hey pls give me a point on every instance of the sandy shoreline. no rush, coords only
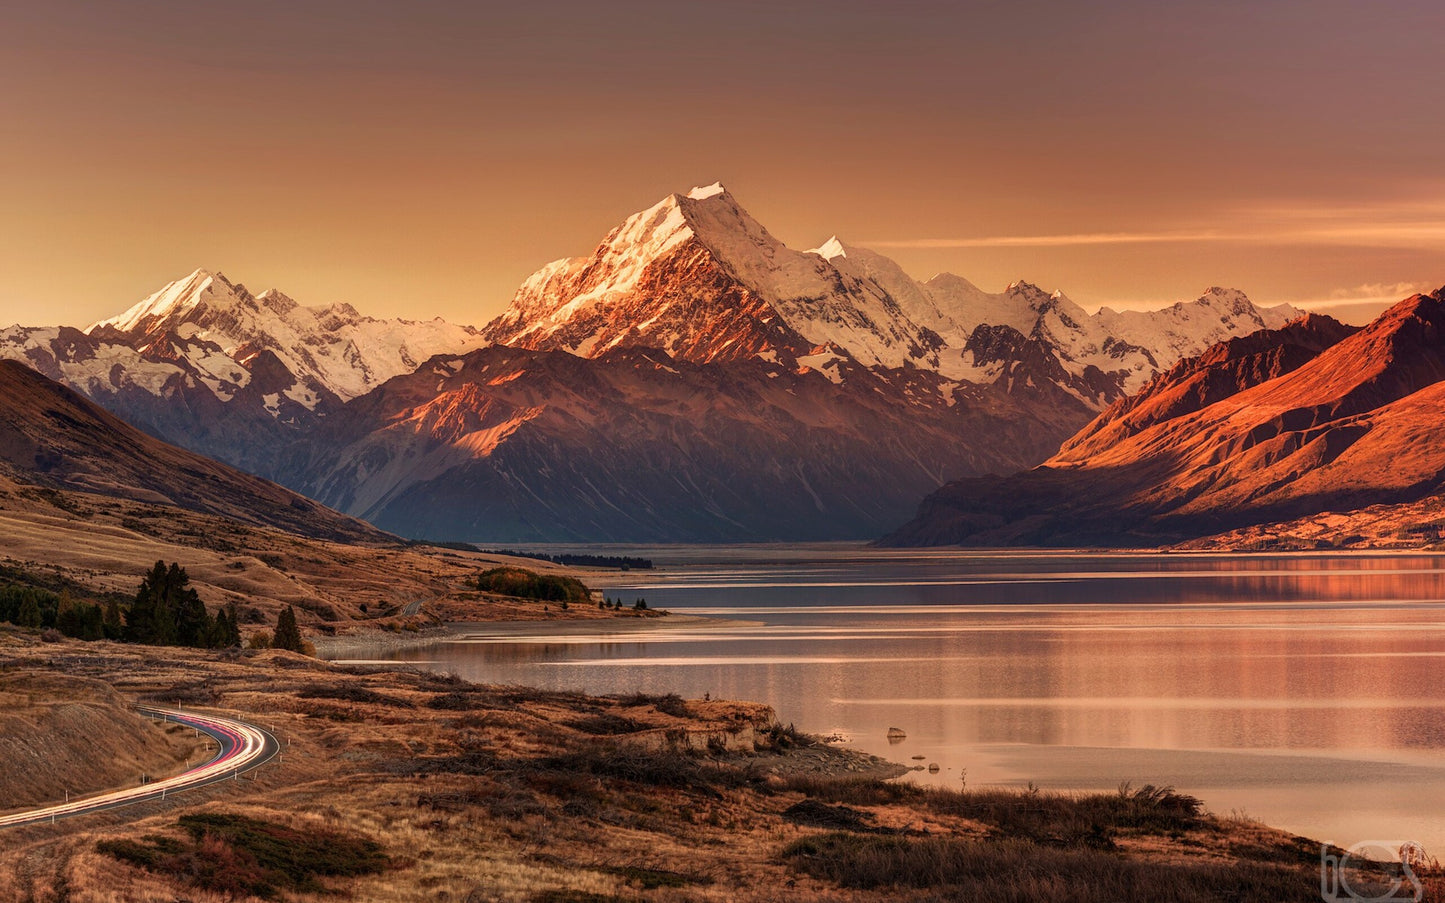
(371, 646)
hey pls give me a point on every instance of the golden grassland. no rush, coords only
(507, 793)
(104, 545)
(63, 734)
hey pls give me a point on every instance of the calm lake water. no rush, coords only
(1301, 690)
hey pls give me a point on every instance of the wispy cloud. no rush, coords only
(1381, 293)
(1051, 241)
(1417, 224)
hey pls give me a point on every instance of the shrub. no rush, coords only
(524, 584)
(1015, 871)
(605, 724)
(238, 855)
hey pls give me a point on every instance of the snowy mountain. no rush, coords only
(329, 350)
(696, 276)
(207, 365)
(514, 445)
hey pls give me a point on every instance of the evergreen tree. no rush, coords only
(226, 630)
(112, 625)
(141, 622)
(167, 611)
(78, 619)
(193, 623)
(287, 635)
(29, 614)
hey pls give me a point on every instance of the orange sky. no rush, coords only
(421, 161)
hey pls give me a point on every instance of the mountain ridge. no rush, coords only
(1318, 417)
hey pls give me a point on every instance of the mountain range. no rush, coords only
(692, 379)
(1315, 418)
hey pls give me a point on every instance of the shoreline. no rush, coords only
(351, 648)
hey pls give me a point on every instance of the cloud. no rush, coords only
(1382, 293)
(1415, 224)
(1051, 241)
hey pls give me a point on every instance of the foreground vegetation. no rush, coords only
(521, 583)
(240, 856)
(166, 611)
(426, 787)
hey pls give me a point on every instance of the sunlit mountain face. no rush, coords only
(1313, 420)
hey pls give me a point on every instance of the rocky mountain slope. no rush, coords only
(53, 438)
(1282, 425)
(638, 445)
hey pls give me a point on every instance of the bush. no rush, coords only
(605, 724)
(238, 855)
(1015, 871)
(671, 704)
(525, 584)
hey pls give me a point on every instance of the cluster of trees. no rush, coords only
(621, 562)
(166, 612)
(27, 606)
(616, 604)
(525, 584)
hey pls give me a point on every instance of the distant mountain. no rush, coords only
(52, 437)
(1281, 425)
(206, 364)
(691, 379)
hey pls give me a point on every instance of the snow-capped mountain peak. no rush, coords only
(206, 334)
(175, 299)
(697, 276)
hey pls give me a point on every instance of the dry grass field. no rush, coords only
(97, 544)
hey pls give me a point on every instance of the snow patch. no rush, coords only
(830, 249)
(706, 191)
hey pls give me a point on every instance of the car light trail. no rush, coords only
(241, 747)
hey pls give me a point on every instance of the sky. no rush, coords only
(421, 159)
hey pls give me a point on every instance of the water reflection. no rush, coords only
(1300, 688)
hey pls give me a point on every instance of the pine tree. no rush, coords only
(166, 611)
(287, 634)
(149, 620)
(29, 615)
(226, 629)
(193, 623)
(114, 628)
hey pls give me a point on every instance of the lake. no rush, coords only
(1302, 690)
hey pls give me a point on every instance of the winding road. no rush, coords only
(242, 747)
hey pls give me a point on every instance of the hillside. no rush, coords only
(61, 734)
(470, 791)
(52, 437)
(1282, 425)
